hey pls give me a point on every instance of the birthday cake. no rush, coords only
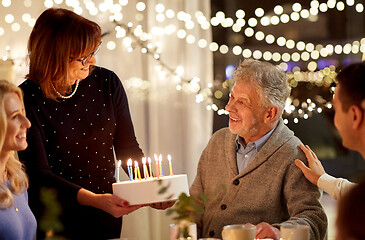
(151, 190)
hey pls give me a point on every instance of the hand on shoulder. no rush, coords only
(314, 169)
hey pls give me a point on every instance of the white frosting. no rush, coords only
(147, 191)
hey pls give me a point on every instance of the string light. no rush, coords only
(298, 12)
(133, 36)
(307, 52)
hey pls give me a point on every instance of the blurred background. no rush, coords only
(176, 59)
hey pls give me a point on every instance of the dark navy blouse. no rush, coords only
(72, 141)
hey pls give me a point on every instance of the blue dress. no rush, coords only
(17, 225)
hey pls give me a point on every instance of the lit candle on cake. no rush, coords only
(150, 167)
(160, 160)
(135, 170)
(170, 164)
(145, 171)
(157, 167)
(130, 169)
(118, 167)
(138, 172)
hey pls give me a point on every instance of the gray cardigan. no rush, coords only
(270, 189)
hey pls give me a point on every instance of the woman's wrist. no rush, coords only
(87, 198)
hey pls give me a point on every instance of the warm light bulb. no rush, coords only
(246, 53)
(296, 7)
(213, 46)
(265, 21)
(240, 13)
(140, 6)
(284, 18)
(223, 49)
(259, 12)
(278, 9)
(237, 50)
(9, 18)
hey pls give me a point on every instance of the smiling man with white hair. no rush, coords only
(254, 160)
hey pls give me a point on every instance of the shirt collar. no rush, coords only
(239, 142)
(259, 143)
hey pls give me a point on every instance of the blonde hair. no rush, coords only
(14, 168)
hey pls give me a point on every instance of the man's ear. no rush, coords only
(357, 116)
(271, 114)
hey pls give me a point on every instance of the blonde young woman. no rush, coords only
(16, 219)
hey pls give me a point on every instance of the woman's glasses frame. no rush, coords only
(86, 59)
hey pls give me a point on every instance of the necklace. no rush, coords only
(69, 96)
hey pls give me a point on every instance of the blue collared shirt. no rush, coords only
(245, 153)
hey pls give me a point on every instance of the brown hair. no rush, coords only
(57, 36)
(352, 82)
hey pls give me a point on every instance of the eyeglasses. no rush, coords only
(86, 59)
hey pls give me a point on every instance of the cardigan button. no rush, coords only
(236, 182)
(223, 206)
(211, 233)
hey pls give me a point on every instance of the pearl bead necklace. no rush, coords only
(69, 96)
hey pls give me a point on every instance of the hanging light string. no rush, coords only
(307, 52)
(208, 94)
(193, 84)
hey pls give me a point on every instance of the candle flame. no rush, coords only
(170, 164)
(149, 160)
(160, 158)
(135, 164)
(129, 162)
(156, 157)
(144, 160)
(119, 163)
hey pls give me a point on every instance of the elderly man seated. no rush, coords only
(254, 159)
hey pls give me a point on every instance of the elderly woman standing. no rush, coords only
(80, 119)
(16, 219)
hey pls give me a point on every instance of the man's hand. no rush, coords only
(162, 205)
(265, 230)
(314, 169)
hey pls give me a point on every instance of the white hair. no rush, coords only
(271, 82)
